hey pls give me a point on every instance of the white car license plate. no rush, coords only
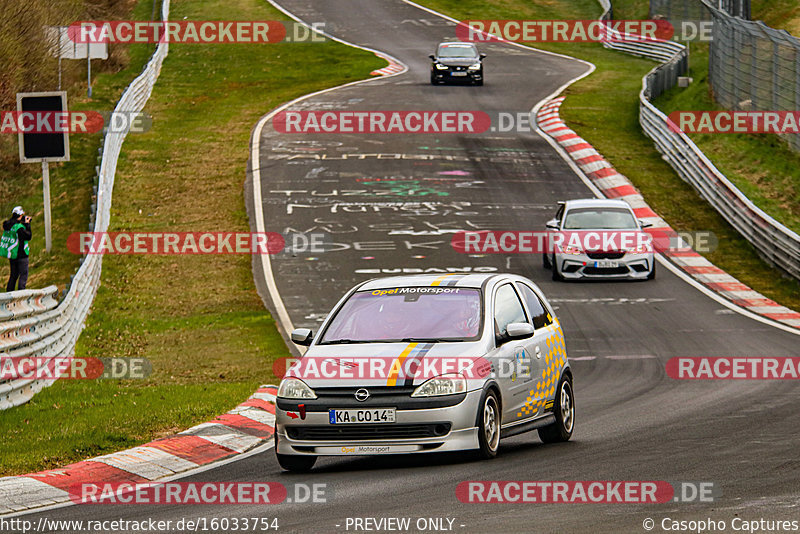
(459, 74)
(606, 263)
(361, 416)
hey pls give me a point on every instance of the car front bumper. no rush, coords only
(461, 435)
(630, 266)
(453, 75)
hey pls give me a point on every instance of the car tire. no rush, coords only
(556, 275)
(546, 261)
(564, 409)
(479, 83)
(489, 421)
(294, 464)
(652, 275)
(433, 80)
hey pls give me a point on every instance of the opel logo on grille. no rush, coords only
(361, 395)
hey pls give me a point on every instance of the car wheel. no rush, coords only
(479, 82)
(556, 275)
(296, 464)
(433, 80)
(489, 426)
(546, 261)
(561, 430)
(652, 275)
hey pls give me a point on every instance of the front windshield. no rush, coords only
(465, 51)
(407, 313)
(599, 219)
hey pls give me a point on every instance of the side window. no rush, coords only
(507, 309)
(538, 312)
(560, 213)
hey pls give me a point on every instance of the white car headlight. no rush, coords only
(571, 250)
(294, 388)
(449, 384)
(475, 66)
(441, 67)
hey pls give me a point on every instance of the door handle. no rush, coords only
(538, 352)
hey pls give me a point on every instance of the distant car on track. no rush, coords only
(426, 363)
(457, 62)
(605, 218)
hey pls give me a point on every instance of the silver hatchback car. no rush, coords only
(609, 242)
(426, 363)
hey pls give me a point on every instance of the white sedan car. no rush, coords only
(601, 239)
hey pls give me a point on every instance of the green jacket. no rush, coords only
(10, 242)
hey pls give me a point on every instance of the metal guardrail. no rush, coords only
(31, 325)
(775, 242)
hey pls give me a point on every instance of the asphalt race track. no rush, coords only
(389, 203)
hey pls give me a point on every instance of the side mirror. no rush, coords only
(483, 56)
(519, 330)
(552, 224)
(433, 58)
(302, 336)
(644, 224)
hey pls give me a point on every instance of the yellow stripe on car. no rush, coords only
(398, 364)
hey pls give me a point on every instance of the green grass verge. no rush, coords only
(198, 319)
(604, 109)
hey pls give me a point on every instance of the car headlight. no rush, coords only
(294, 388)
(644, 248)
(571, 250)
(475, 66)
(449, 384)
(441, 67)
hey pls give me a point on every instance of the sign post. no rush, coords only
(48, 236)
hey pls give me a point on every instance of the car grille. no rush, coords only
(375, 392)
(367, 432)
(605, 270)
(610, 255)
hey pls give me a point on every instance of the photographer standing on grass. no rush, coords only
(14, 246)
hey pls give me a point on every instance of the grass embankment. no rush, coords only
(198, 319)
(604, 109)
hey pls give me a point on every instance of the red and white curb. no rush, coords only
(392, 69)
(247, 426)
(614, 185)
